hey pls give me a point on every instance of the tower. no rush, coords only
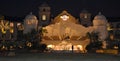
(100, 26)
(85, 18)
(30, 23)
(44, 15)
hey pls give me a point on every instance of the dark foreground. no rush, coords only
(60, 57)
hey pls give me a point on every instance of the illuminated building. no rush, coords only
(8, 30)
(30, 23)
(65, 31)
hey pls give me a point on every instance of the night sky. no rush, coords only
(24, 7)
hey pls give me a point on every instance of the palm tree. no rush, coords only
(94, 42)
(93, 36)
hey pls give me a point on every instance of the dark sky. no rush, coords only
(24, 7)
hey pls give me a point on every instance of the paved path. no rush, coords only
(60, 57)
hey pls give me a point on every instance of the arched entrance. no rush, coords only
(65, 46)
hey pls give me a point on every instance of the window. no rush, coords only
(85, 16)
(11, 30)
(43, 17)
(11, 24)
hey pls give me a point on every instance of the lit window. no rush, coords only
(20, 27)
(85, 16)
(80, 47)
(50, 46)
(64, 17)
(11, 30)
(11, 24)
(44, 17)
(18, 24)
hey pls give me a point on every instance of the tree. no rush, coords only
(42, 47)
(92, 47)
(94, 42)
(93, 36)
(20, 35)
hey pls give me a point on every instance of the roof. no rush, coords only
(31, 16)
(99, 17)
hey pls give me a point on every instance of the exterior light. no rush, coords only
(43, 17)
(11, 30)
(64, 17)
(115, 47)
(29, 44)
(11, 24)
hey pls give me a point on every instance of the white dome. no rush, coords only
(99, 17)
(99, 20)
(31, 16)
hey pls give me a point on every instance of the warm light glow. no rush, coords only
(20, 46)
(4, 24)
(20, 27)
(3, 48)
(85, 16)
(28, 22)
(116, 47)
(50, 46)
(3, 31)
(43, 17)
(111, 37)
(29, 44)
(109, 27)
(80, 47)
(11, 30)
(18, 24)
(64, 17)
(11, 24)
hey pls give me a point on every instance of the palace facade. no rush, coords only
(64, 32)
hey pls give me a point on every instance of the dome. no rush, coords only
(99, 17)
(31, 16)
(99, 20)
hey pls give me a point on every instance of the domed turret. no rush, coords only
(99, 17)
(31, 16)
(30, 23)
(99, 20)
(100, 26)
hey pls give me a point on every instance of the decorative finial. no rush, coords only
(30, 13)
(99, 13)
